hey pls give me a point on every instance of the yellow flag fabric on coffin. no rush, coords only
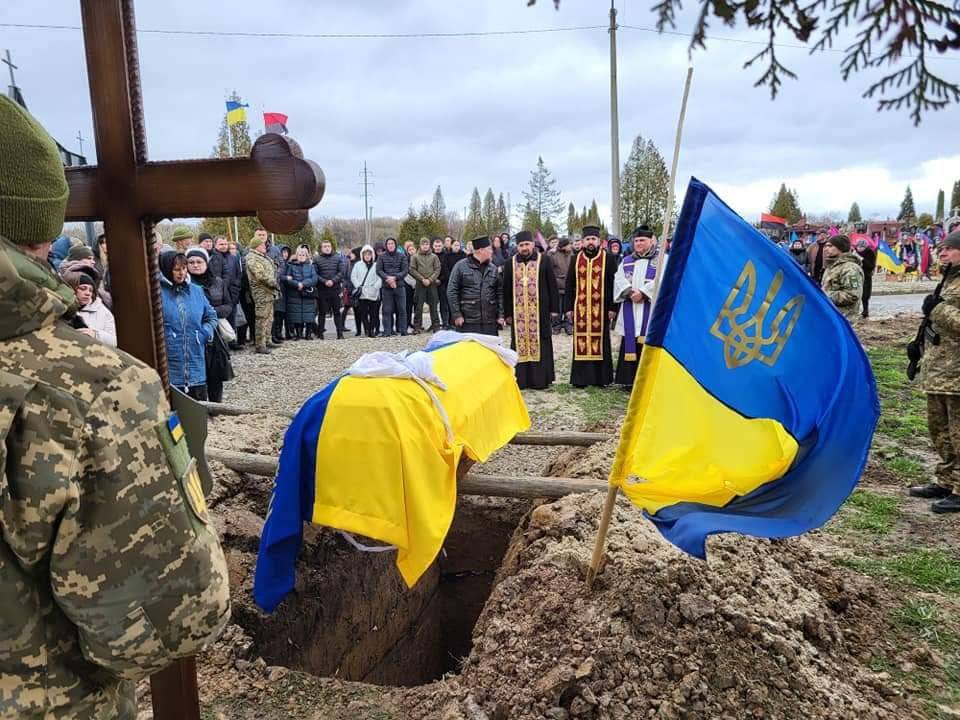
(384, 468)
(698, 449)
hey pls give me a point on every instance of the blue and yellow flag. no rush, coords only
(887, 258)
(371, 456)
(236, 112)
(754, 404)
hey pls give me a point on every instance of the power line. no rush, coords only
(324, 36)
(426, 35)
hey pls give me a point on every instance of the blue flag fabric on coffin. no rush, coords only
(746, 326)
(290, 505)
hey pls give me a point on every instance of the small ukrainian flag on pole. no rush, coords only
(236, 112)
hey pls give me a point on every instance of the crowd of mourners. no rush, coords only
(219, 297)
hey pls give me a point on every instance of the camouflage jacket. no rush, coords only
(109, 569)
(940, 369)
(262, 274)
(843, 284)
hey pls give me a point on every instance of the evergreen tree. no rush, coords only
(940, 209)
(786, 205)
(542, 199)
(438, 208)
(955, 197)
(644, 185)
(409, 228)
(474, 226)
(232, 141)
(548, 230)
(305, 236)
(573, 221)
(907, 211)
(503, 220)
(490, 213)
(428, 225)
(327, 236)
(854, 215)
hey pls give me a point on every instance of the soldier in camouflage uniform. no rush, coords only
(109, 569)
(262, 274)
(843, 278)
(940, 377)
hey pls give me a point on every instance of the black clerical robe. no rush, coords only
(529, 297)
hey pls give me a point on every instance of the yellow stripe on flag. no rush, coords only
(884, 261)
(680, 444)
(403, 490)
(237, 116)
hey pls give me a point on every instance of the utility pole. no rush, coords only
(614, 126)
(509, 215)
(366, 204)
(80, 140)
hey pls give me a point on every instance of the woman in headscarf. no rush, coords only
(615, 248)
(300, 279)
(366, 284)
(189, 324)
(217, 354)
(97, 319)
(280, 318)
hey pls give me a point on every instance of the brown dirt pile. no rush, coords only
(764, 629)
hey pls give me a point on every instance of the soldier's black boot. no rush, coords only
(949, 504)
(930, 491)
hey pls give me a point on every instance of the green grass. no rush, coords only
(869, 512)
(905, 467)
(931, 570)
(925, 621)
(903, 405)
(597, 405)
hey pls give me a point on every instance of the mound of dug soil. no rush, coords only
(763, 629)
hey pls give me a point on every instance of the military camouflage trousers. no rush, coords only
(943, 419)
(264, 323)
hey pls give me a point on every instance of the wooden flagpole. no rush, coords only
(611, 501)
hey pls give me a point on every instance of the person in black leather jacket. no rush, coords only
(474, 292)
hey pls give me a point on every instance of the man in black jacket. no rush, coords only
(392, 267)
(474, 292)
(330, 270)
(447, 261)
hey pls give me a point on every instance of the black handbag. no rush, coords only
(355, 295)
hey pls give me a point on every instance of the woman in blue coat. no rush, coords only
(189, 322)
(300, 279)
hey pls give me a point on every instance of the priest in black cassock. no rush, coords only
(590, 289)
(530, 304)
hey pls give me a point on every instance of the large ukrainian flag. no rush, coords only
(754, 404)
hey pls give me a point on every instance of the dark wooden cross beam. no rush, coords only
(129, 193)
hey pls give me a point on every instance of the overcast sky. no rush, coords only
(477, 111)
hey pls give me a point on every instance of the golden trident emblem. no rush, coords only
(744, 338)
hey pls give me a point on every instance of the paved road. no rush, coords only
(885, 306)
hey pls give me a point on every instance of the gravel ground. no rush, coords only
(292, 373)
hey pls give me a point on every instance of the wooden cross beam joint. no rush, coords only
(274, 178)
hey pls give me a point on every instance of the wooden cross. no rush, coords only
(128, 193)
(11, 67)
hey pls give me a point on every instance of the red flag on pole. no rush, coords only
(275, 122)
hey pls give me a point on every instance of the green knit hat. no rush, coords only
(181, 233)
(33, 187)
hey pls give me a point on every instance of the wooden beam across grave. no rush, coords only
(532, 437)
(468, 483)
(128, 193)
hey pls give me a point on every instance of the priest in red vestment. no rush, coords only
(590, 289)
